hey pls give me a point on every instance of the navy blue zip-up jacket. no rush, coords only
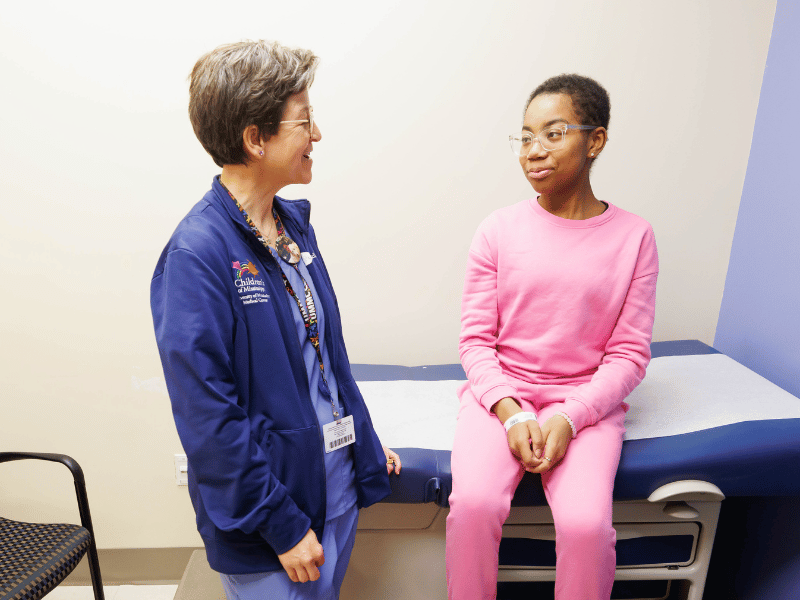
(239, 389)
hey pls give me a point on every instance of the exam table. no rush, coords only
(699, 430)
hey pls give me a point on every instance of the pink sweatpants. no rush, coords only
(578, 489)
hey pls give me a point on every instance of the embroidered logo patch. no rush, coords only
(243, 269)
(251, 289)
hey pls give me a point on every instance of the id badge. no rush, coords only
(339, 434)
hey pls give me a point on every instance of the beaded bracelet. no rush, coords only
(571, 424)
(520, 417)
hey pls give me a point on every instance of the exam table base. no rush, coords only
(400, 548)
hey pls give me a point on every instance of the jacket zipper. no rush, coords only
(310, 400)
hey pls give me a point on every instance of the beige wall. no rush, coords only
(415, 101)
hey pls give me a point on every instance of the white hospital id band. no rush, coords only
(339, 434)
(520, 417)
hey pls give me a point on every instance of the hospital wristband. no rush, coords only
(520, 417)
(571, 424)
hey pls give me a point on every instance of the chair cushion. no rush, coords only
(35, 558)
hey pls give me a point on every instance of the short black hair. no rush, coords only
(589, 99)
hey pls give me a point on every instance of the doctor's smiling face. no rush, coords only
(287, 154)
(563, 161)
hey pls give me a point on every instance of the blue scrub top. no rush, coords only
(339, 467)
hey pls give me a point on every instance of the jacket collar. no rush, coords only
(296, 212)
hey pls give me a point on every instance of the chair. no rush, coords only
(35, 558)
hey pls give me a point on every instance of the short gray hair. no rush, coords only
(242, 84)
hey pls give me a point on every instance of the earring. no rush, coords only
(592, 154)
(261, 153)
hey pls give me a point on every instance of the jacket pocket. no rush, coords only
(296, 459)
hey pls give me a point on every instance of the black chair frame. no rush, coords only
(83, 506)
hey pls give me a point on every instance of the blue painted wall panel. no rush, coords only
(758, 551)
(759, 321)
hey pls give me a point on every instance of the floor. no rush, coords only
(114, 592)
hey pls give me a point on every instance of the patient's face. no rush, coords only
(563, 167)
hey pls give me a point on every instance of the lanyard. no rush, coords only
(288, 251)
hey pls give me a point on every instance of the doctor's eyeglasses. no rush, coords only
(309, 120)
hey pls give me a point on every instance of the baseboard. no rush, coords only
(140, 566)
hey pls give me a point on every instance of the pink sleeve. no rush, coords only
(478, 342)
(627, 352)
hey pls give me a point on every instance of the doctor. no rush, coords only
(281, 448)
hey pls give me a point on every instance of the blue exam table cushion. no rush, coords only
(698, 414)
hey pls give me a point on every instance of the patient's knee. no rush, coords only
(589, 530)
(480, 504)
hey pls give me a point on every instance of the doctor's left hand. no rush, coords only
(392, 461)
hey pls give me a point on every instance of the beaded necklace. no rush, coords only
(288, 251)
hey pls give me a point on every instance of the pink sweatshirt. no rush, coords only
(556, 310)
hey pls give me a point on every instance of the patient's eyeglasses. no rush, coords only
(309, 120)
(549, 139)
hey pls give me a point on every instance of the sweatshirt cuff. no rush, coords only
(578, 412)
(286, 527)
(497, 393)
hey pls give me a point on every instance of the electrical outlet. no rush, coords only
(181, 470)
